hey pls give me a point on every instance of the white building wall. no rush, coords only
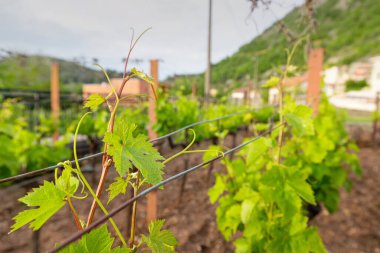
(374, 79)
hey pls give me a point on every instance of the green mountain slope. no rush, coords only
(348, 30)
(20, 71)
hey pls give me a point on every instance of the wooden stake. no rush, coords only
(207, 86)
(54, 96)
(314, 78)
(376, 120)
(194, 90)
(152, 197)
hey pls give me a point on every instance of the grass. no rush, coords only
(357, 117)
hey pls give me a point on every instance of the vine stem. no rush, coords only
(80, 174)
(77, 221)
(106, 160)
(134, 211)
(281, 134)
(281, 98)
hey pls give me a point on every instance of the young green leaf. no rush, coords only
(217, 189)
(212, 152)
(94, 101)
(256, 149)
(49, 200)
(66, 182)
(243, 245)
(142, 75)
(98, 240)
(297, 180)
(272, 82)
(146, 78)
(116, 188)
(160, 241)
(314, 241)
(232, 220)
(300, 119)
(247, 208)
(128, 150)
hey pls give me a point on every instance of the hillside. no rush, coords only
(348, 30)
(20, 71)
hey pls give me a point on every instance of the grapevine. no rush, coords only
(271, 182)
(137, 163)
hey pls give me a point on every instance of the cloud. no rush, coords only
(101, 29)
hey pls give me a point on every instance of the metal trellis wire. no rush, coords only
(53, 167)
(113, 212)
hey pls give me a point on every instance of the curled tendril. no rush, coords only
(67, 165)
(184, 150)
(81, 182)
(113, 91)
(205, 151)
(187, 151)
(132, 96)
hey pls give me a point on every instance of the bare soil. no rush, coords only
(354, 228)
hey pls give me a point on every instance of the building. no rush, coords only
(374, 79)
(335, 78)
(293, 84)
(134, 86)
(245, 95)
(362, 100)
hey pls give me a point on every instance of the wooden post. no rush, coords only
(183, 181)
(234, 135)
(36, 241)
(54, 96)
(185, 165)
(194, 90)
(375, 120)
(314, 78)
(152, 197)
(207, 86)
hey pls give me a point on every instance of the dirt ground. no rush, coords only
(354, 228)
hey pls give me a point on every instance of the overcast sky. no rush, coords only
(101, 29)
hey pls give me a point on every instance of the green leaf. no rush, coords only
(243, 245)
(160, 241)
(298, 224)
(235, 167)
(256, 149)
(98, 240)
(49, 200)
(212, 151)
(275, 189)
(297, 181)
(331, 201)
(93, 101)
(118, 187)
(272, 82)
(245, 192)
(314, 241)
(66, 182)
(217, 189)
(233, 220)
(247, 208)
(128, 151)
(300, 119)
(314, 151)
(142, 75)
(9, 162)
